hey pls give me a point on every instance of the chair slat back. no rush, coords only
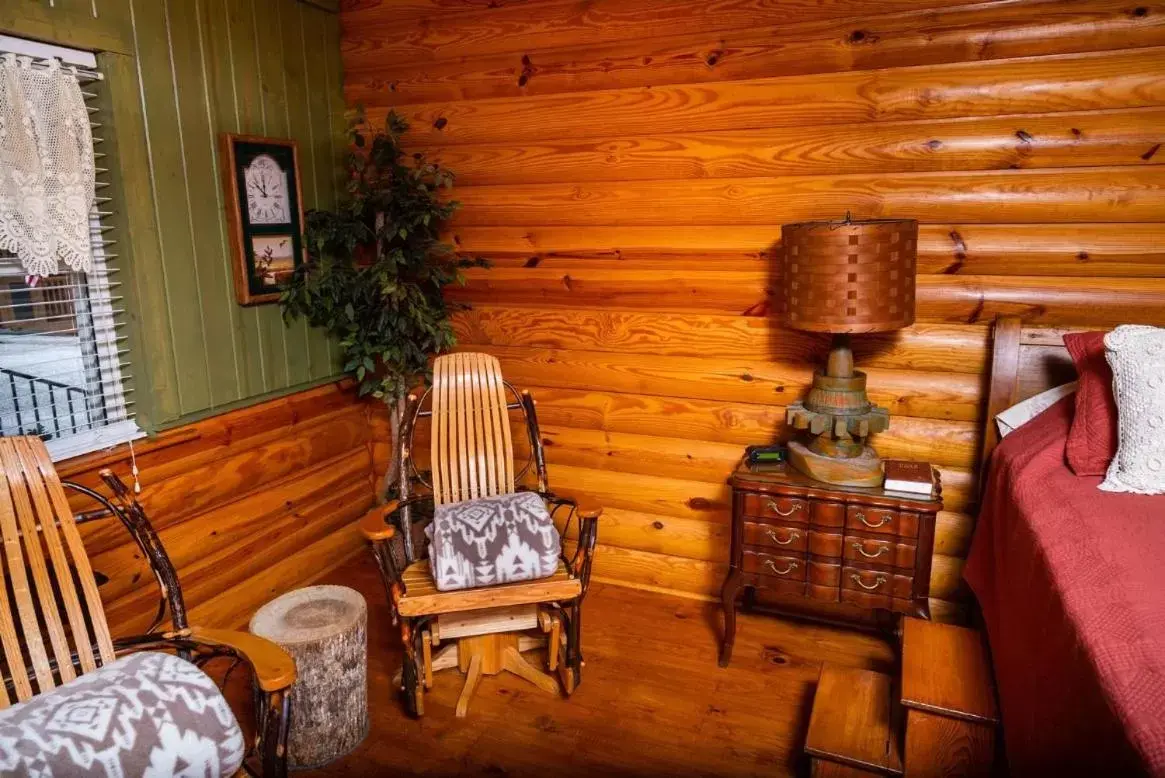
(34, 518)
(472, 448)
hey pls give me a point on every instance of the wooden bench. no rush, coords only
(943, 724)
(949, 696)
(852, 730)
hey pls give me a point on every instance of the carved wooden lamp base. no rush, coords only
(839, 415)
(862, 470)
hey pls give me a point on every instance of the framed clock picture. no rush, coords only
(265, 214)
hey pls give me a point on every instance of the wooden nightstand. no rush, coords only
(853, 550)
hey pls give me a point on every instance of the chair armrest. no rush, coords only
(584, 510)
(589, 511)
(375, 524)
(588, 532)
(274, 668)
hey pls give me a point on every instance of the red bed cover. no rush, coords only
(1071, 581)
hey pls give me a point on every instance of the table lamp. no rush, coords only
(844, 277)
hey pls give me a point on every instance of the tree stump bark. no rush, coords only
(325, 629)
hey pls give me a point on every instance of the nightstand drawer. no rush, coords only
(822, 593)
(825, 573)
(776, 536)
(826, 544)
(868, 600)
(888, 551)
(827, 514)
(774, 585)
(788, 567)
(883, 521)
(776, 507)
(877, 581)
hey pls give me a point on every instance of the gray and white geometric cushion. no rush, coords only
(148, 714)
(501, 539)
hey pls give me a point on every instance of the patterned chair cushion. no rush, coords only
(148, 714)
(510, 537)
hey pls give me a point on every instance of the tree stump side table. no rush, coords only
(325, 629)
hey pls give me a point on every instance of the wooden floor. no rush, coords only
(653, 700)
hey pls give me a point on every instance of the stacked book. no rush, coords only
(909, 477)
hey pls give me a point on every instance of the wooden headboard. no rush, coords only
(1024, 362)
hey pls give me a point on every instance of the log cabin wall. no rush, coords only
(248, 504)
(627, 165)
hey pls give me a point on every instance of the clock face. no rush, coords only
(267, 192)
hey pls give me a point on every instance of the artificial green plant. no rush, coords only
(376, 268)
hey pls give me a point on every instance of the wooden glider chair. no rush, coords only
(471, 457)
(52, 622)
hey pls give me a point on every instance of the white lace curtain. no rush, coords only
(46, 167)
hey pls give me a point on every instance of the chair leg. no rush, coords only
(412, 690)
(570, 667)
(551, 623)
(472, 678)
(272, 739)
(427, 658)
(566, 673)
(412, 686)
(515, 663)
(576, 629)
(442, 660)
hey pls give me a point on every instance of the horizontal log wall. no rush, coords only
(248, 504)
(627, 164)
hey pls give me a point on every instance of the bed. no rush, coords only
(1071, 584)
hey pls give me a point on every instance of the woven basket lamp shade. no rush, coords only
(845, 277)
(855, 276)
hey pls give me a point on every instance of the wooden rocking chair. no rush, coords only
(35, 518)
(472, 456)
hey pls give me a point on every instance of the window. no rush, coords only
(63, 369)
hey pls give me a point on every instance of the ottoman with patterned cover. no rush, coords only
(148, 714)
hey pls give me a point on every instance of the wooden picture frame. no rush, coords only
(264, 212)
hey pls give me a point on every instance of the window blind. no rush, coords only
(64, 368)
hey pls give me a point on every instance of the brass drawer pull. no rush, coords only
(861, 550)
(772, 506)
(868, 587)
(886, 519)
(792, 566)
(773, 537)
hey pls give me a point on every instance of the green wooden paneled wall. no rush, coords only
(179, 72)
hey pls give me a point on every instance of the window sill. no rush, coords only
(94, 440)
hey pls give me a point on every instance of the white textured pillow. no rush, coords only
(1137, 356)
